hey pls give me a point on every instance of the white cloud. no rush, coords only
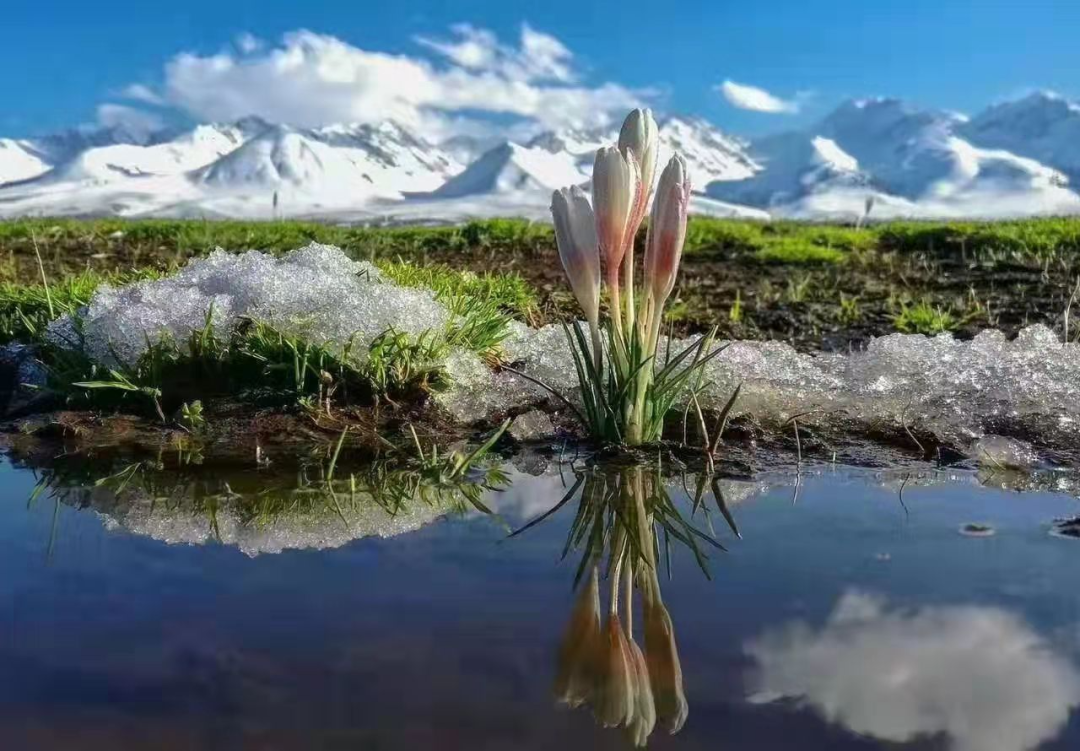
(473, 49)
(546, 55)
(138, 122)
(313, 79)
(248, 43)
(142, 93)
(978, 675)
(540, 57)
(747, 97)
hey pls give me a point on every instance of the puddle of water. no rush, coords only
(253, 611)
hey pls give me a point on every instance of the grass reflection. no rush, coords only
(260, 509)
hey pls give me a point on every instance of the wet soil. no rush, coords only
(237, 436)
(233, 433)
(823, 306)
(830, 307)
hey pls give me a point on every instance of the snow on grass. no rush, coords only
(955, 390)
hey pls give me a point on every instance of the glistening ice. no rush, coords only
(958, 391)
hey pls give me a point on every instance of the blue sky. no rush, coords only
(64, 59)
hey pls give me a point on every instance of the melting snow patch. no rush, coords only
(957, 390)
(316, 292)
(1005, 453)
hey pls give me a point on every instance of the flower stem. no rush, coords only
(598, 360)
(616, 303)
(628, 282)
(645, 375)
(617, 550)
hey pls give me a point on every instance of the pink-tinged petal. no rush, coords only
(640, 135)
(667, 229)
(575, 235)
(616, 189)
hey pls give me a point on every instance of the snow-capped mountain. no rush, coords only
(382, 161)
(510, 168)
(188, 151)
(1015, 158)
(905, 149)
(911, 161)
(1042, 126)
(20, 160)
(27, 158)
(710, 154)
(523, 176)
(793, 166)
(248, 168)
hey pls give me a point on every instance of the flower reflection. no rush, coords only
(629, 684)
(644, 720)
(614, 700)
(578, 669)
(665, 671)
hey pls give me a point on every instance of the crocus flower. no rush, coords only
(639, 136)
(616, 185)
(577, 669)
(662, 659)
(667, 231)
(575, 234)
(614, 700)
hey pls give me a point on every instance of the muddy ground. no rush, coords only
(831, 307)
(824, 305)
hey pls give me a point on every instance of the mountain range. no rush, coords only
(1016, 158)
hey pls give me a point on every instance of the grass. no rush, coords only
(69, 246)
(1017, 241)
(798, 251)
(257, 362)
(507, 291)
(781, 280)
(770, 242)
(26, 309)
(924, 318)
(849, 312)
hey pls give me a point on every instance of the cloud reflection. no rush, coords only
(979, 675)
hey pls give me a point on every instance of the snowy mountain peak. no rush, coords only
(1034, 116)
(1042, 126)
(338, 162)
(510, 168)
(388, 145)
(870, 120)
(828, 154)
(911, 160)
(187, 151)
(573, 141)
(1042, 99)
(20, 160)
(1014, 158)
(710, 153)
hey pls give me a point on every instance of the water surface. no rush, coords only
(853, 614)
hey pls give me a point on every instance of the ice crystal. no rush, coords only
(955, 390)
(316, 292)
